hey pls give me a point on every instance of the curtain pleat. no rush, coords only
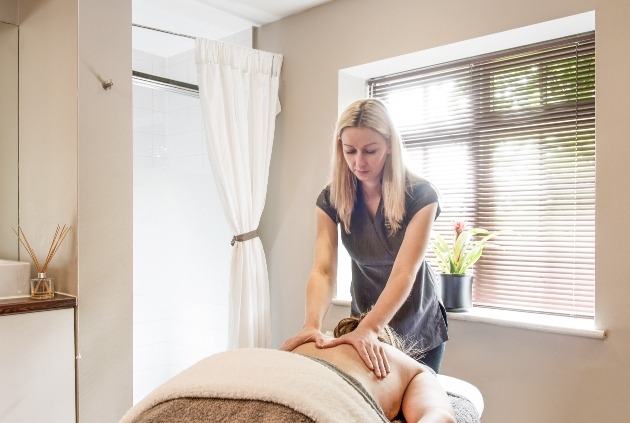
(238, 88)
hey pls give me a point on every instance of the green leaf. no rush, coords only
(441, 265)
(460, 245)
(441, 255)
(441, 250)
(477, 231)
(470, 260)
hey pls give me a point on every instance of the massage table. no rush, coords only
(272, 386)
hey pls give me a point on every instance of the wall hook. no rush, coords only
(107, 85)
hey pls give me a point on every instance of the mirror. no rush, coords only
(8, 140)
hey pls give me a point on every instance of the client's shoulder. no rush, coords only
(404, 362)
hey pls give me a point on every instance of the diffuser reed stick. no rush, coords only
(60, 235)
(43, 286)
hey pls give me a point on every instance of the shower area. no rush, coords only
(181, 244)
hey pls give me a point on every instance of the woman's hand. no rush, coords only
(308, 334)
(368, 346)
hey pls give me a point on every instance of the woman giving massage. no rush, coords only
(383, 214)
(410, 389)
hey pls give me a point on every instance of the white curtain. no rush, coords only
(238, 88)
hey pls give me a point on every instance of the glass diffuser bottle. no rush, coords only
(42, 288)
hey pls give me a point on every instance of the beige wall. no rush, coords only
(75, 168)
(48, 133)
(526, 376)
(105, 211)
(9, 11)
(8, 139)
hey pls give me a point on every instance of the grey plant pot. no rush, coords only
(456, 292)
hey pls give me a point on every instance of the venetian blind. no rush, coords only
(509, 141)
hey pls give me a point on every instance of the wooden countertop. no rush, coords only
(27, 304)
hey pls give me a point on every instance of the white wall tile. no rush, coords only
(187, 164)
(142, 97)
(178, 70)
(159, 67)
(180, 57)
(140, 162)
(177, 121)
(144, 310)
(187, 356)
(160, 146)
(142, 120)
(179, 230)
(158, 123)
(159, 100)
(218, 320)
(175, 147)
(177, 101)
(196, 141)
(192, 67)
(163, 353)
(143, 357)
(141, 62)
(195, 119)
(143, 334)
(164, 332)
(163, 373)
(197, 337)
(142, 144)
(143, 383)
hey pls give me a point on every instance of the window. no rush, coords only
(509, 141)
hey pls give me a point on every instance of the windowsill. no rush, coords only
(533, 321)
(540, 322)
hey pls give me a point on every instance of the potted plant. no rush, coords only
(455, 259)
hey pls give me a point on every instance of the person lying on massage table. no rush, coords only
(410, 388)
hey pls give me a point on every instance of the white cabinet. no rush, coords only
(37, 367)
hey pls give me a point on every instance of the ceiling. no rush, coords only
(213, 19)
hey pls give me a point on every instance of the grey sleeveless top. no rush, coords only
(421, 318)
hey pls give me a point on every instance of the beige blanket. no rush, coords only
(272, 386)
(287, 382)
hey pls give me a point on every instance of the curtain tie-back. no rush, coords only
(244, 237)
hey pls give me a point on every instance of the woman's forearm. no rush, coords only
(323, 277)
(319, 293)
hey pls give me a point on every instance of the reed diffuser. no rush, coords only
(42, 287)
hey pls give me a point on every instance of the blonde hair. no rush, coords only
(370, 113)
(387, 336)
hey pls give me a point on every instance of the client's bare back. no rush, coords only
(388, 392)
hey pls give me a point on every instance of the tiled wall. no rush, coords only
(181, 240)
